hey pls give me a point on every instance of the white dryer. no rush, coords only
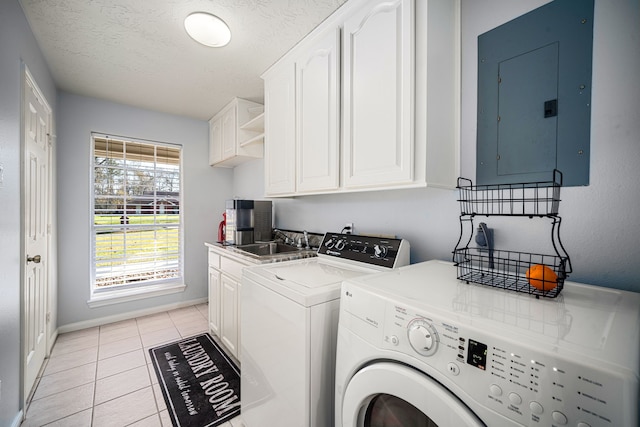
(289, 314)
(418, 347)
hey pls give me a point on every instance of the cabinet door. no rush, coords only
(215, 141)
(279, 150)
(378, 45)
(214, 301)
(229, 313)
(239, 319)
(229, 132)
(317, 114)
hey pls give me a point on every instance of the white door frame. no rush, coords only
(50, 297)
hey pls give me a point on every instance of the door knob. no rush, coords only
(35, 259)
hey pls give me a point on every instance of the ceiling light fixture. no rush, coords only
(207, 29)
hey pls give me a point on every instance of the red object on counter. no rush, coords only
(222, 228)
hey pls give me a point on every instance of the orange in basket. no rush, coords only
(542, 277)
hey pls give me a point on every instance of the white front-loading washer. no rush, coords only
(289, 321)
(417, 347)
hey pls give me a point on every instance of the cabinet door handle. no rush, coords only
(35, 259)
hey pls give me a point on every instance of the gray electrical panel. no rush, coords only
(534, 96)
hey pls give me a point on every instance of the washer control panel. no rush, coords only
(522, 383)
(384, 252)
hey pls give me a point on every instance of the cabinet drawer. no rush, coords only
(231, 268)
(214, 260)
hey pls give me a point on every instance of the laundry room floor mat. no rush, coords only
(200, 383)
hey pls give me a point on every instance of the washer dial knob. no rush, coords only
(422, 337)
(379, 251)
(340, 244)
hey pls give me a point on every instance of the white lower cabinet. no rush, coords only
(225, 274)
(214, 298)
(229, 319)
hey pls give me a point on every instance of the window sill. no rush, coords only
(117, 296)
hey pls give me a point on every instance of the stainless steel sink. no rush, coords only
(270, 248)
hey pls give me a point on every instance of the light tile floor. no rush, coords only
(103, 376)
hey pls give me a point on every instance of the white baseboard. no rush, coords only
(51, 341)
(17, 420)
(126, 316)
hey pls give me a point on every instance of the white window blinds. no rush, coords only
(136, 212)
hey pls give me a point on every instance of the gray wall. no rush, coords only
(204, 190)
(17, 47)
(600, 228)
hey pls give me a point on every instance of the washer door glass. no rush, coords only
(386, 410)
(388, 394)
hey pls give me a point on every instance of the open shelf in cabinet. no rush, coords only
(256, 124)
(255, 129)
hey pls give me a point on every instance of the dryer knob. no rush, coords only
(422, 337)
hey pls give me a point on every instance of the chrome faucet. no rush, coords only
(286, 238)
(306, 239)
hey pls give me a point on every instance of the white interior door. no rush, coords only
(37, 125)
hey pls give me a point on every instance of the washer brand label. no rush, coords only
(333, 253)
(371, 321)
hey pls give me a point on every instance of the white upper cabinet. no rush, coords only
(369, 100)
(280, 148)
(215, 134)
(378, 95)
(302, 117)
(229, 132)
(235, 135)
(318, 114)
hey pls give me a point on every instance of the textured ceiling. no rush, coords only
(137, 52)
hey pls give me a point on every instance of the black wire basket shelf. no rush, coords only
(521, 199)
(510, 270)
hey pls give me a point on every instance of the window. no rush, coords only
(137, 234)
